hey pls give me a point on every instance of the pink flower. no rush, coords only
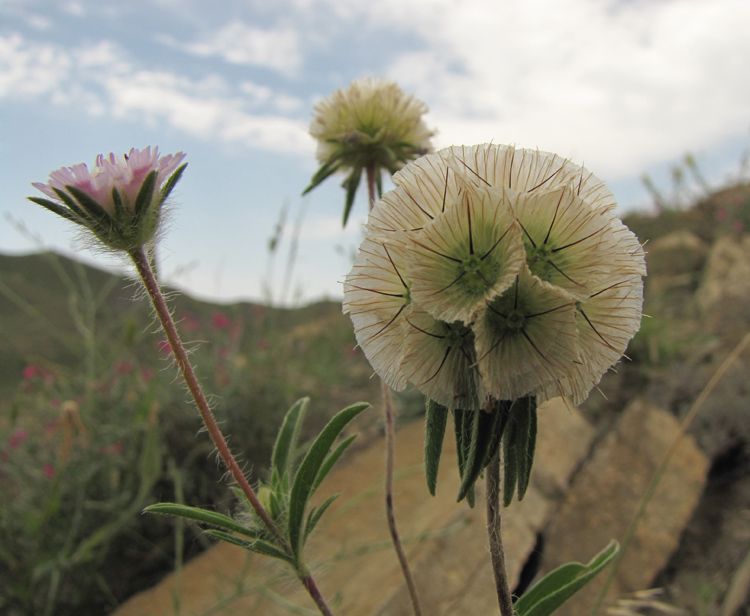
(30, 371)
(17, 438)
(220, 321)
(124, 367)
(112, 450)
(125, 174)
(147, 374)
(120, 201)
(49, 471)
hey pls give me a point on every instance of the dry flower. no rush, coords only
(373, 126)
(492, 272)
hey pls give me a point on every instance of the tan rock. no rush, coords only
(605, 497)
(446, 543)
(724, 293)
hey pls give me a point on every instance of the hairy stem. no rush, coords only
(497, 554)
(141, 262)
(390, 456)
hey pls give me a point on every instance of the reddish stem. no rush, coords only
(162, 311)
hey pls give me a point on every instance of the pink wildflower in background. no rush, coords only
(17, 438)
(220, 321)
(49, 471)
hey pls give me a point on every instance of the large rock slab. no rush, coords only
(352, 558)
(605, 497)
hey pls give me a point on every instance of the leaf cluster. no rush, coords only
(479, 436)
(286, 498)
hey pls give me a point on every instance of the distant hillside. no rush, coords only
(48, 302)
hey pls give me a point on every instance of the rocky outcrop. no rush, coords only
(605, 497)
(724, 294)
(446, 542)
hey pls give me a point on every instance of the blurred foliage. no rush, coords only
(95, 425)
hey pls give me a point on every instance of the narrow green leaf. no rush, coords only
(286, 441)
(56, 208)
(436, 418)
(70, 202)
(519, 443)
(482, 446)
(526, 453)
(315, 514)
(351, 184)
(119, 207)
(510, 461)
(463, 425)
(171, 183)
(562, 583)
(330, 461)
(307, 472)
(321, 175)
(145, 195)
(259, 547)
(93, 208)
(202, 516)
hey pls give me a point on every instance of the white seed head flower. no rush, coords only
(120, 201)
(372, 125)
(502, 273)
(378, 300)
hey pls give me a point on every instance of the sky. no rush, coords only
(625, 87)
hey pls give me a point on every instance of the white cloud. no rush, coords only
(240, 43)
(102, 80)
(30, 70)
(626, 87)
(622, 84)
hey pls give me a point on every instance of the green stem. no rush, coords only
(390, 456)
(497, 553)
(141, 262)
